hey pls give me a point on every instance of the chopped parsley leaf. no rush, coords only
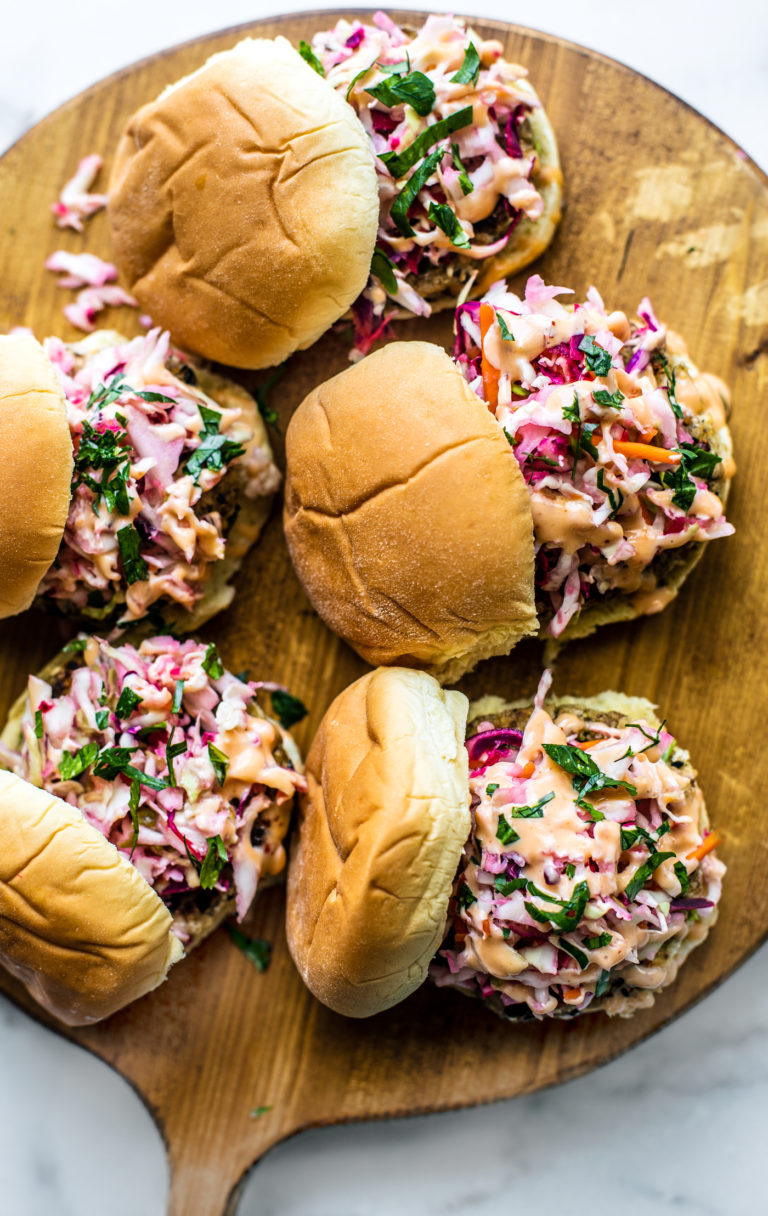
(571, 913)
(259, 952)
(446, 220)
(178, 694)
(102, 718)
(309, 56)
(220, 763)
(586, 775)
(530, 812)
(214, 862)
(603, 397)
(597, 943)
(407, 196)
(505, 832)
(71, 766)
(489, 789)
(214, 452)
(288, 709)
(39, 724)
(506, 332)
(615, 498)
(596, 357)
(127, 703)
(465, 180)
(212, 663)
(413, 89)
(505, 886)
(682, 876)
(465, 897)
(603, 983)
(384, 270)
(133, 806)
(574, 952)
(398, 163)
(172, 750)
(470, 67)
(75, 645)
(135, 568)
(644, 873)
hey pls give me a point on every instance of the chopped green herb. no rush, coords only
(586, 775)
(257, 951)
(489, 789)
(695, 462)
(603, 983)
(669, 373)
(114, 760)
(102, 718)
(258, 1111)
(571, 913)
(530, 812)
(309, 56)
(75, 645)
(682, 876)
(414, 89)
(39, 724)
(214, 862)
(178, 695)
(110, 453)
(172, 750)
(465, 897)
(212, 663)
(505, 832)
(407, 196)
(506, 332)
(570, 870)
(220, 763)
(398, 163)
(505, 886)
(288, 709)
(574, 952)
(465, 180)
(596, 357)
(629, 836)
(470, 68)
(133, 806)
(262, 390)
(384, 270)
(581, 438)
(603, 397)
(644, 873)
(153, 398)
(211, 419)
(615, 498)
(135, 568)
(214, 452)
(127, 703)
(71, 766)
(446, 220)
(597, 943)
(511, 440)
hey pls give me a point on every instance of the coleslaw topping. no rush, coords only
(588, 873)
(76, 203)
(169, 756)
(616, 434)
(147, 520)
(448, 122)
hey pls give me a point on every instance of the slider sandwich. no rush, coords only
(466, 160)
(147, 794)
(549, 858)
(566, 469)
(243, 206)
(132, 480)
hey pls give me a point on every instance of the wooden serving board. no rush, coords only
(658, 202)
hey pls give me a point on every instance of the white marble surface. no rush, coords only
(677, 1126)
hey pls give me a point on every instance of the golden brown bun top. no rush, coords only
(244, 206)
(383, 825)
(35, 469)
(79, 926)
(406, 514)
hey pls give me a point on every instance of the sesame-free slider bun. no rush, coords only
(35, 469)
(406, 514)
(79, 926)
(383, 825)
(244, 206)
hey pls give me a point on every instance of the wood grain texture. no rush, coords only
(658, 202)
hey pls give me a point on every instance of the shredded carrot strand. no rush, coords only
(707, 845)
(491, 374)
(527, 769)
(645, 451)
(647, 435)
(487, 927)
(571, 994)
(590, 743)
